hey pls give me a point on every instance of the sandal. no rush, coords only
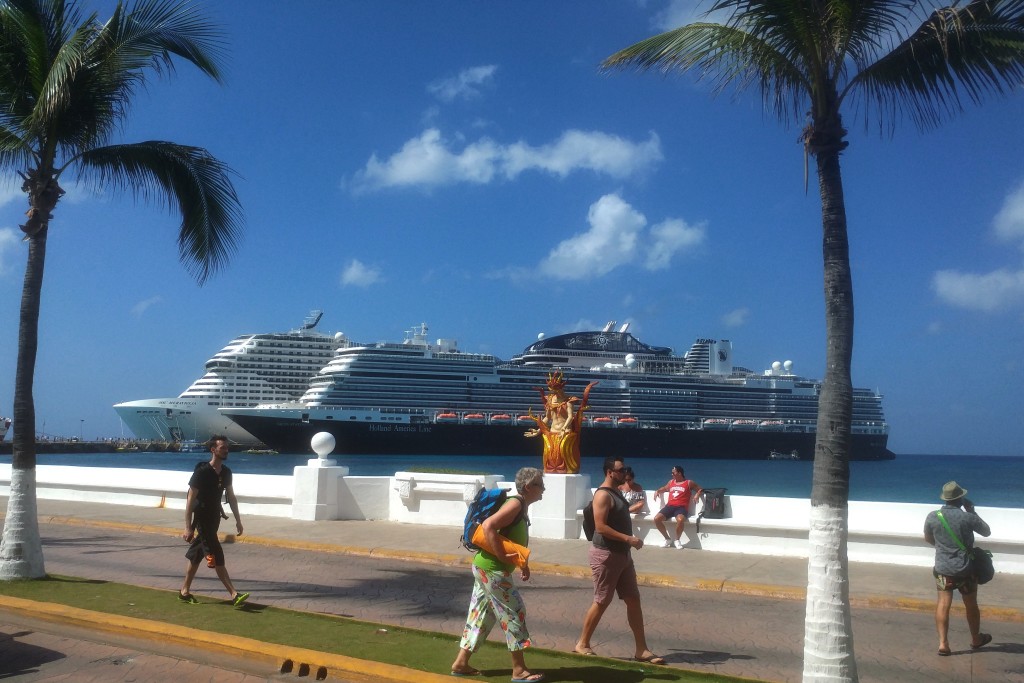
(588, 651)
(985, 639)
(528, 678)
(650, 658)
(466, 672)
(944, 652)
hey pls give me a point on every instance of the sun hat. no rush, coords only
(952, 491)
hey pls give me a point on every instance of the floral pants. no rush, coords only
(495, 600)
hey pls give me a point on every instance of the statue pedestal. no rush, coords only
(554, 516)
(316, 490)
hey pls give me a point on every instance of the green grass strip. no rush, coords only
(411, 648)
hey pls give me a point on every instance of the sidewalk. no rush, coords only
(750, 607)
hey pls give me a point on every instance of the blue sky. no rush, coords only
(468, 166)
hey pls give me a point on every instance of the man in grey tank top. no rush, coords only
(612, 565)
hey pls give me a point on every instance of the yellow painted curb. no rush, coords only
(221, 643)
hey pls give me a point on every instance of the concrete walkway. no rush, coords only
(732, 614)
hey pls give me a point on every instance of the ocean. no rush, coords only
(993, 481)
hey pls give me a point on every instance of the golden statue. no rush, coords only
(560, 426)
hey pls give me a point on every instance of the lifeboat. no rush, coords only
(526, 420)
(602, 422)
(744, 425)
(473, 418)
(771, 425)
(501, 419)
(627, 421)
(442, 418)
(716, 423)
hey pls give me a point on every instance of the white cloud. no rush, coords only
(669, 237)
(682, 12)
(1000, 289)
(582, 150)
(466, 85)
(9, 239)
(140, 308)
(736, 318)
(617, 237)
(429, 161)
(989, 292)
(10, 190)
(610, 242)
(358, 274)
(1009, 222)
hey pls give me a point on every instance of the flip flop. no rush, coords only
(530, 678)
(944, 652)
(986, 638)
(467, 672)
(650, 659)
(589, 652)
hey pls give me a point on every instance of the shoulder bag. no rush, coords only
(981, 559)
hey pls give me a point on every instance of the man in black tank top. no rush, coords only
(612, 564)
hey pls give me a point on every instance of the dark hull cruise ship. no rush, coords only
(421, 398)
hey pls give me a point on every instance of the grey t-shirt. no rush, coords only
(950, 560)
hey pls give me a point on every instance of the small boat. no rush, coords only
(501, 419)
(473, 418)
(526, 420)
(771, 425)
(627, 421)
(744, 425)
(602, 421)
(261, 451)
(191, 446)
(716, 423)
(778, 455)
(443, 418)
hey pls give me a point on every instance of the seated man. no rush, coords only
(680, 489)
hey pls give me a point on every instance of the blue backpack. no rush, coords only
(486, 503)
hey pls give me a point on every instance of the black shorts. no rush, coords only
(206, 542)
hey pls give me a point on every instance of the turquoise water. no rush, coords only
(991, 480)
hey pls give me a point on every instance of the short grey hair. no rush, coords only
(527, 475)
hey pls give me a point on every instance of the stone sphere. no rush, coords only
(323, 444)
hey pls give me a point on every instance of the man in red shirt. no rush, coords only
(680, 490)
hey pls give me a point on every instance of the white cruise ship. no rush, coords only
(251, 369)
(423, 398)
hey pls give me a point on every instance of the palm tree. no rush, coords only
(809, 58)
(66, 84)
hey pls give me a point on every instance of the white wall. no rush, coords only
(878, 532)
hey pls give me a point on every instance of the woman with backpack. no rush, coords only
(495, 597)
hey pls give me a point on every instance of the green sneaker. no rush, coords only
(188, 599)
(240, 599)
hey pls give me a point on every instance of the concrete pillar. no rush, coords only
(554, 516)
(316, 490)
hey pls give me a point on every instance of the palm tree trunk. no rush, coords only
(828, 640)
(21, 551)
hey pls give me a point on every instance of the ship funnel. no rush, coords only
(609, 326)
(625, 326)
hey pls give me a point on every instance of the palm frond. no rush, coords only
(729, 55)
(186, 179)
(959, 54)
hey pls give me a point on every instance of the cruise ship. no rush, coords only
(418, 397)
(251, 369)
